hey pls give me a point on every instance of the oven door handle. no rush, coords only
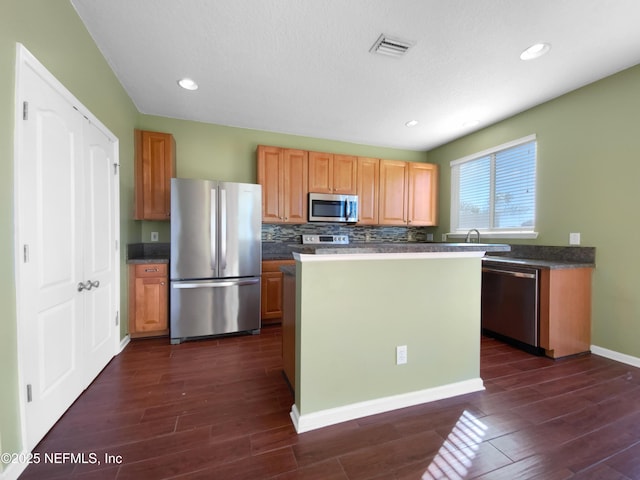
(510, 273)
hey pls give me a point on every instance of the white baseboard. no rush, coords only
(124, 342)
(617, 356)
(332, 416)
(13, 470)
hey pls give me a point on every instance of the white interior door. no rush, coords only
(66, 219)
(100, 204)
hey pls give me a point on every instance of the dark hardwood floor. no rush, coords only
(219, 409)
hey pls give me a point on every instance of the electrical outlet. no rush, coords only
(574, 239)
(367, 237)
(269, 236)
(429, 237)
(411, 236)
(401, 354)
(154, 236)
(444, 237)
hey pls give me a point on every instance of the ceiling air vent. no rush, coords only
(392, 47)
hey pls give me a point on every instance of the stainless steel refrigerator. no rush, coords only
(215, 258)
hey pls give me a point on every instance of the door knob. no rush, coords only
(82, 286)
(95, 284)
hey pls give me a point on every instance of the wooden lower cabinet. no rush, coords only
(148, 300)
(271, 291)
(565, 311)
(289, 329)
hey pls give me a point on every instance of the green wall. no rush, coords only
(50, 30)
(588, 179)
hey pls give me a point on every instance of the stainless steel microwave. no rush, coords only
(327, 207)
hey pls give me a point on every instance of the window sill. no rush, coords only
(500, 235)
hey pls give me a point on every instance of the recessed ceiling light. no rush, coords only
(535, 51)
(411, 123)
(188, 84)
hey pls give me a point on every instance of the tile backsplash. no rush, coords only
(292, 233)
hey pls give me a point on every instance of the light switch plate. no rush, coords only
(154, 236)
(574, 239)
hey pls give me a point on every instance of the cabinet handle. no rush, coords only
(148, 270)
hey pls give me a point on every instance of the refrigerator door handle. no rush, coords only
(213, 229)
(223, 229)
(208, 284)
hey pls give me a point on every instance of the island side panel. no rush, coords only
(351, 315)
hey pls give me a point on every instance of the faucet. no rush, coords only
(468, 239)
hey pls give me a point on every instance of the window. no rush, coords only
(495, 191)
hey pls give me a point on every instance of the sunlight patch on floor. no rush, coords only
(456, 454)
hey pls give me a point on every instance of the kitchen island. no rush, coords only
(355, 304)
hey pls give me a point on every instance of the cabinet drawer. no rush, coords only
(151, 270)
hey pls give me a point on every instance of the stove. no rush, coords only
(325, 239)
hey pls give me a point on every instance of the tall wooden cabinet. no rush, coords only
(408, 193)
(332, 173)
(368, 184)
(283, 174)
(154, 166)
(148, 300)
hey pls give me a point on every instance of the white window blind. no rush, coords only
(495, 190)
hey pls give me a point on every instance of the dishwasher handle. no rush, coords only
(510, 273)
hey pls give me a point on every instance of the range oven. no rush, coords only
(326, 207)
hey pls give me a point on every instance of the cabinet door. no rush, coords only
(154, 167)
(422, 194)
(345, 171)
(270, 176)
(149, 300)
(393, 196)
(271, 290)
(295, 171)
(320, 172)
(271, 307)
(368, 184)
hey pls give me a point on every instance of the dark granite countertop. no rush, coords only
(533, 262)
(141, 253)
(368, 248)
(288, 270)
(546, 256)
(276, 251)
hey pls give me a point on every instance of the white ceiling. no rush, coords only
(303, 67)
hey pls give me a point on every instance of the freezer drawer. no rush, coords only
(212, 307)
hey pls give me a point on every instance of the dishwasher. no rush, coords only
(510, 304)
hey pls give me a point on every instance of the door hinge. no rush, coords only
(116, 245)
(25, 253)
(117, 318)
(29, 394)
(25, 110)
(115, 168)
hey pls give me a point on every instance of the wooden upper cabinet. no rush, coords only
(155, 161)
(296, 190)
(283, 174)
(408, 193)
(368, 185)
(422, 194)
(332, 173)
(270, 176)
(393, 192)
